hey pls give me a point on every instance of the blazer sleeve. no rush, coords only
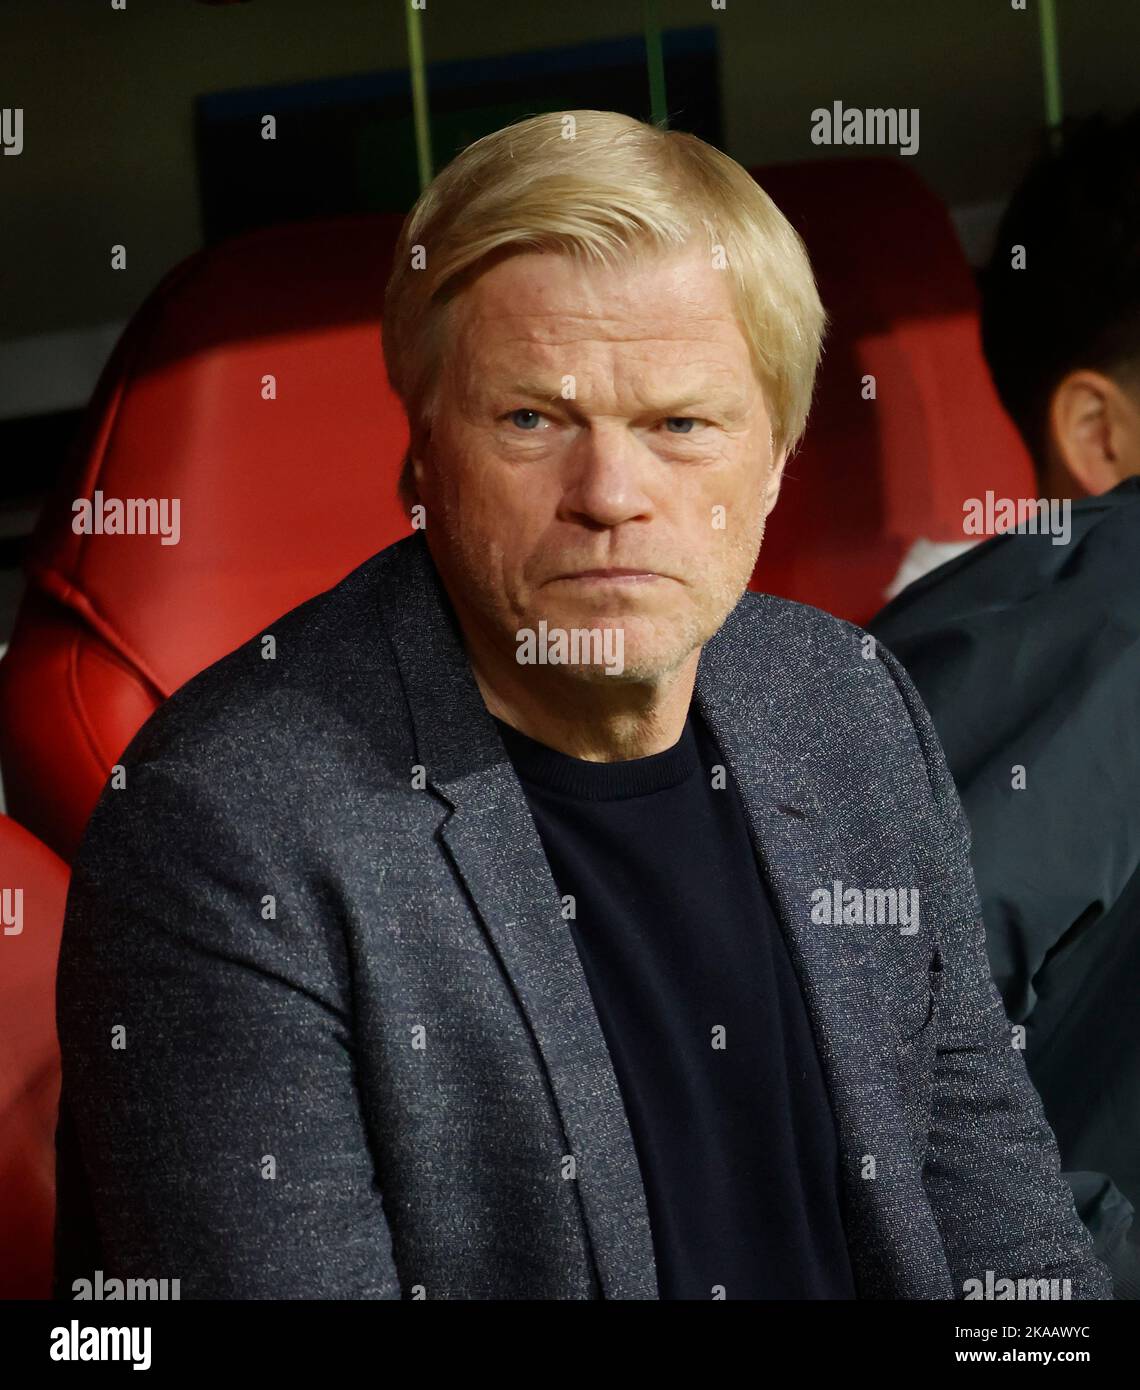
(210, 1110)
(993, 1172)
(1110, 1220)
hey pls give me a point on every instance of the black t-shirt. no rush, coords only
(703, 1016)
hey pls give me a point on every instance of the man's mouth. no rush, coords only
(616, 575)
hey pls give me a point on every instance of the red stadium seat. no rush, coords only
(874, 476)
(29, 1058)
(278, 498)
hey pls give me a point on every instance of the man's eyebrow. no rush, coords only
(718, 397)
(536, 389)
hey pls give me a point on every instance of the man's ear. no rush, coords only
(774, 479)
(1094, 431)
(418, 447)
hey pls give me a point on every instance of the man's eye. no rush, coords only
(685, 420)
(528, 421)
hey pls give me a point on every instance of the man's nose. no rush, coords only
(607, 476)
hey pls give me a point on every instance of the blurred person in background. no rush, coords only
(1026, 651)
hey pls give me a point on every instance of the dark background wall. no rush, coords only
(108, 101)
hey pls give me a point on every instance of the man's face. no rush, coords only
(589, 419)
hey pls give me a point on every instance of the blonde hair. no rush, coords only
(600, 186)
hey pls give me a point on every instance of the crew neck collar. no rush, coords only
(542, 766)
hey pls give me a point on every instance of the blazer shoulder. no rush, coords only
(808, 651)
(819, 635)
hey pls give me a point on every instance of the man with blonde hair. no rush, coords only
(623, 941)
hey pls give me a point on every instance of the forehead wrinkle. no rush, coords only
(504, 354)
(611, 327)
(504, 357)
(713, 391)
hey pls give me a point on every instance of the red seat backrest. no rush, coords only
(250, 387)
(873, 476)
(29, 1058)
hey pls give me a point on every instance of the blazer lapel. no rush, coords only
(753, 702)
(496, 850)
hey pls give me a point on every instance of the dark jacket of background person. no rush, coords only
(1027, 654)
(375, 1091)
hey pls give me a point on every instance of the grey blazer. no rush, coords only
(325, 1034)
